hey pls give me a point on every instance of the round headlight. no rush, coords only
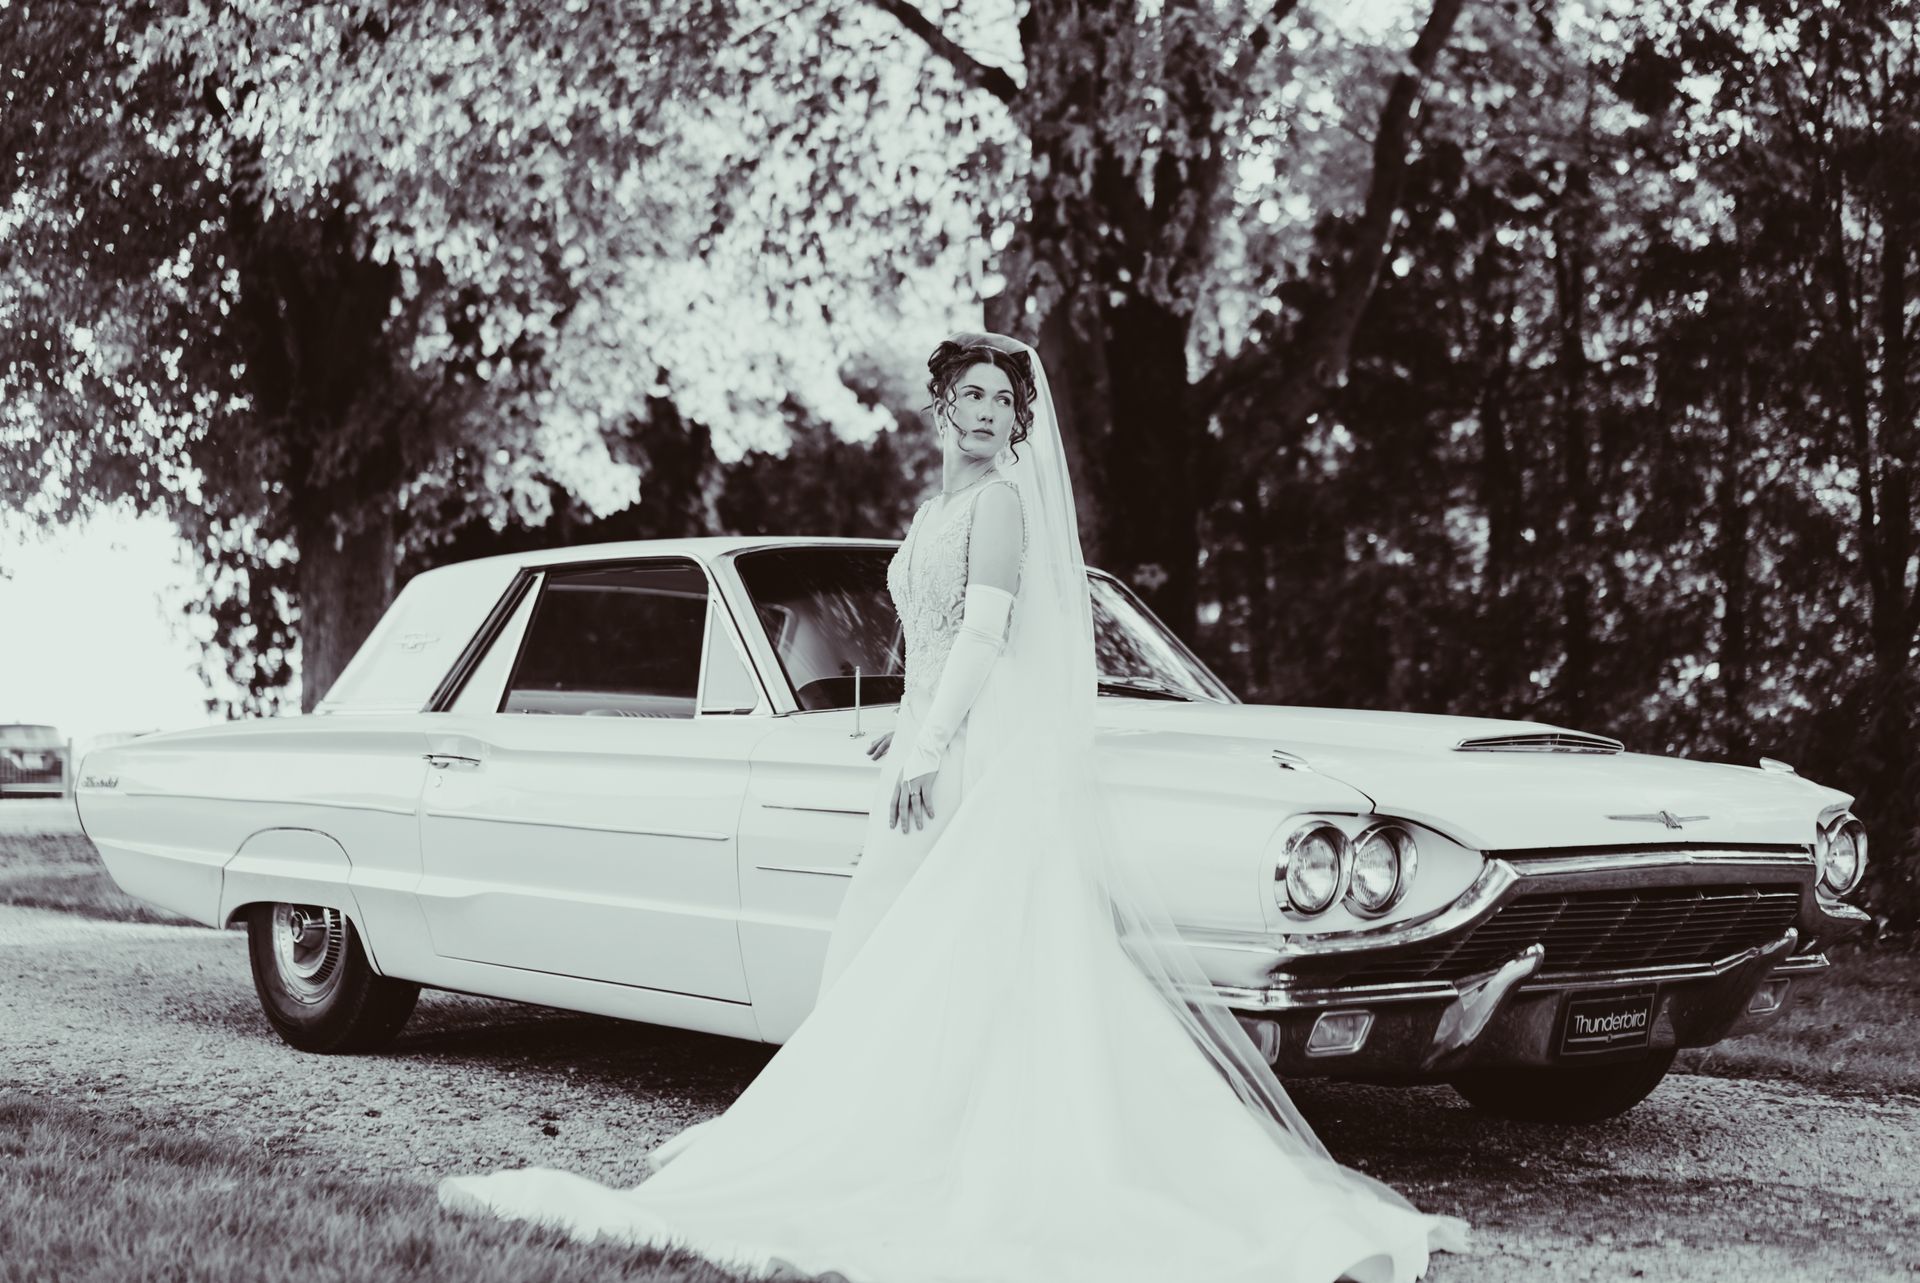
(1843, 855)
(1314, 868)
(1383, 864)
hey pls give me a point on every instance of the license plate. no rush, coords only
(1607, 1022)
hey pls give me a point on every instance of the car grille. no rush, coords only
(12, 772)
(1591, 931)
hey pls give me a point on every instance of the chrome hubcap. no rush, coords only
(309, 941)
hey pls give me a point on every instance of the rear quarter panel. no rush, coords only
(198, 822)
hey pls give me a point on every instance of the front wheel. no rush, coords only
(1563, 1093)
(316, 986)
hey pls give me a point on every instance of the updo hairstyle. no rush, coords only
(953, 358)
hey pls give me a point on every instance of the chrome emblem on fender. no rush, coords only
(418, 641)
(1667, 818)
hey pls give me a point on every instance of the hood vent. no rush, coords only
(1541, 742)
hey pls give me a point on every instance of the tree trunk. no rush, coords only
(1076, 368)
(1151, 534)
(1504, 659)
(1318, 363)
(329, 403)
(1119, 377)
(345, 581)
(1574, 689)
(1897, 435)
(1735, 552)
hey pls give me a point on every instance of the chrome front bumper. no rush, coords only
(1513, 1013)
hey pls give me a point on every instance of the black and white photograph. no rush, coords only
(959, 641)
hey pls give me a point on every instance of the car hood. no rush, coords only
(1408, 765)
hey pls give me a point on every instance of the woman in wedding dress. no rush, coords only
(1015, 1071)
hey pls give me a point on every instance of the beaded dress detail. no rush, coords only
(928, 581)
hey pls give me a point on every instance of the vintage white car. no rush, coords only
(631, 779)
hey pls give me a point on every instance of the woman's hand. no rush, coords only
(877, 747)
(912, 801)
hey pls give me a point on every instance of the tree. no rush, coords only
(1811, 132)
(1143, 126)
(281, 272)
(1597, 459)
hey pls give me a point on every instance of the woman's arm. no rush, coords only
(994, 545)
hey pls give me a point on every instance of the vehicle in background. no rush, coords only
(35, 761)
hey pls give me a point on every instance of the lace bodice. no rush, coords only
(928, 581)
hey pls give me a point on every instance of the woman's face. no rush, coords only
(981, 413)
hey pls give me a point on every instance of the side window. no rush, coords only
(730, 687)
(614, 641)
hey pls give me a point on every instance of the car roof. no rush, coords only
(703, 547)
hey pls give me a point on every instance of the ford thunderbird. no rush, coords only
(631, 779)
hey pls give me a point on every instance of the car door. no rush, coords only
(581, 814)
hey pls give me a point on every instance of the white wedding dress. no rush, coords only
(988, 1090)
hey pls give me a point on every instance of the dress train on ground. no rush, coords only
(990, 1092)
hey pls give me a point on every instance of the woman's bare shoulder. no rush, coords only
(999, 500)
(998, 537)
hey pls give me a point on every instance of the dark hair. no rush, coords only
(952, 359)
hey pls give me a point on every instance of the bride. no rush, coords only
(1014, 1072)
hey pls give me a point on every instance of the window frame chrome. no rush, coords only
(532, 577)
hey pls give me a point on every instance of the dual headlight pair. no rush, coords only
(1842, 851)
(1320, 864)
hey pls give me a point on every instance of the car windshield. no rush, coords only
(27, 735)
(826, 611)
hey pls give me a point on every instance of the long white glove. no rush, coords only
(982, 635)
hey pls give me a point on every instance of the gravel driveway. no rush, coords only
(1710, 1180)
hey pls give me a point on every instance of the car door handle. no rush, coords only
(441, 761)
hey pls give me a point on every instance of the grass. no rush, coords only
(85, 1196)
(61, 871)
(1851, 1030)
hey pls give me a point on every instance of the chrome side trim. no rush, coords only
(817, 810)
(745, 1003)
(274, 801)
(823, 870)
(696, 835)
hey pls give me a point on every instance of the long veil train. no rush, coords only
(1020, 1077)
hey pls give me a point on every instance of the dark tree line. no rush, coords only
(1629, 436)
